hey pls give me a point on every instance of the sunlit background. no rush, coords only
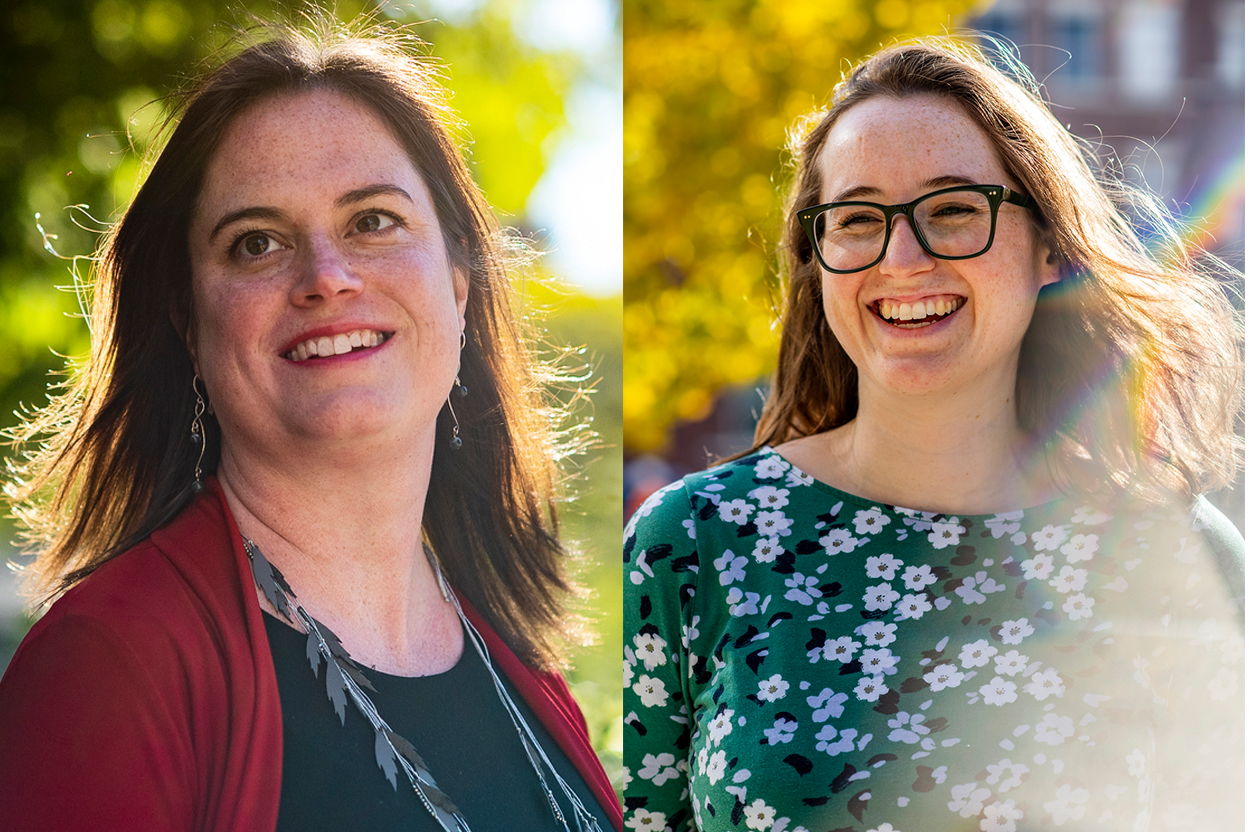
(1158, 87)
(538, 85)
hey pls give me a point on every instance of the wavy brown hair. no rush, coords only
(107, 462)
(1130, 374)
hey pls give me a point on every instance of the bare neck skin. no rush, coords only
(343, 524)
(957, 452)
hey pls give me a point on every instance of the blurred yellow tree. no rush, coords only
(711, 87)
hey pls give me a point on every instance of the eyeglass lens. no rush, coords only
(951, 224)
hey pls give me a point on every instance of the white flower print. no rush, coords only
(689, 632)
(944, 676)
(870, 521)
(879, 661)
(1010, 663)
(877, 633)
(1001, 524)
(827, 705)
(1136, 763)
(628, 673)
(644, 821)
(879, 597)
(1000, 817)
(1054, 729)
(802, 588)
(1081, 547)
(842, 649)
(839, 541)
(1223, 685)
(717, 765)
(649, 648)
(782, 730)
(844, 740)
(920, 521)
(1070, 579)
(650, 691)
(770, 467)
(742, 603)
(870, 688)
(907, 728)
(721, 726)
(773, 523)
(1045, 684)
(766, 549)
(1014, 632)
(1050, 538)
(658, 768)
(974, 589)
(884, 827)
(883, 567)
(772, 689)
(945, 533)
(770, 497)
(1010, 774)
(999, 692)
(1038, 567)
(795, 478)
(977, 654)
(1089, 516)
(912, 606)
(1078, 606)
(759, 815)
(1068, 804)
(736, 511)
(732, 567)
(917, 578)
(968, 799)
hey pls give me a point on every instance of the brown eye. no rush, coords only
(256, 245)
(369, 223)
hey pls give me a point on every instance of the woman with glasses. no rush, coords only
(965, 578)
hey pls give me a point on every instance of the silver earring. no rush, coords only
(461, 391)
(197, 434)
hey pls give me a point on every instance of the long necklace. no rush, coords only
(344, 679)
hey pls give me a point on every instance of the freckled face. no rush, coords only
(891, 151)
(325, 304)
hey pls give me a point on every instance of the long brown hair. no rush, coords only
(108, 461)
(1130, 372)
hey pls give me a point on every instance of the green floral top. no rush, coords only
(798, 659)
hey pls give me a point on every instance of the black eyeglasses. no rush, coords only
(953, 224)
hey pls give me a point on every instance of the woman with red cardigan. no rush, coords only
(298, 505)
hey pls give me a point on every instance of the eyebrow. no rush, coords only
(935, 183)
(263, 212)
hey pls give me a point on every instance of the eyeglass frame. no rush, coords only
(995, 194)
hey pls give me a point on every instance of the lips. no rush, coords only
(340, 344)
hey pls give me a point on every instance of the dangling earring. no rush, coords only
(197, 435)
(461, 391)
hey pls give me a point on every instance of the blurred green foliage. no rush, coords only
(83, 82)
(710, 90)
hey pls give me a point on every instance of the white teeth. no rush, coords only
(340, 344)
(892, 310)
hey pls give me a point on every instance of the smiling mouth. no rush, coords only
(918, 314)
(340, 344)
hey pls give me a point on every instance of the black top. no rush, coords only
(330, 777)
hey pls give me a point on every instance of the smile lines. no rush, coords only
(340, 344)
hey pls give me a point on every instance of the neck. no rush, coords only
(347, 537)
(961, 453)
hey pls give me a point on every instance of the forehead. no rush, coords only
(289, 139)
(896, 147)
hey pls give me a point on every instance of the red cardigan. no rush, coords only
(146, 698)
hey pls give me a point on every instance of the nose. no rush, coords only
(903, 252)
(325, 272)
